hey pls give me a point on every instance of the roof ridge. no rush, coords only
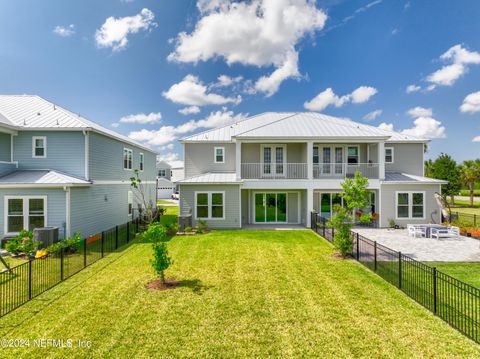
(267, 124)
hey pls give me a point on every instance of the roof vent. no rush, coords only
(24, 122)
(38, 113)
(58, 123)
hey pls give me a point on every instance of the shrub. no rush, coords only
(172, 228)
(341, 221)
(202, 226)
(188, 229)
(391, 223)
(156, 232)
(69, 245)
(22, 243)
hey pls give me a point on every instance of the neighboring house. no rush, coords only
(279, 167)
(59, 169)
(165, 186)
(178, 174)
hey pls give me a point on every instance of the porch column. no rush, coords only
(310, 160)
(309, 206)
(238, 159)
(381, 160)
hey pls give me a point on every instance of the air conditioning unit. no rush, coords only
(46, 235)
(184, 222)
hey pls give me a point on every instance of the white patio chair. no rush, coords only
(419, 231)
(411, 230)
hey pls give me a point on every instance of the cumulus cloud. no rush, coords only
(190, 110)
(460, 58)
(114, 32)
(226, 81)
(476, 139)
(372, 115)
(64, 31)
(386, 126)
(142, 118)
(418, 111)
(412, 88)
(192, 92)
(424, 125)
(471, 103)
(260, 33)
(328, 97)
(172, 158)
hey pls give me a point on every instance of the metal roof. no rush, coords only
(298, 125)
(33, 112)
(212, 177)
(397, 177)
(41, 177)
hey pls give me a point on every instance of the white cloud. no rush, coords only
(192, 92)
(476, 139)
(386, 126)
(426, 127)
(328, 97)
(114, 32)
(460, 58)
(142, 118)
(225, 81)
(412, 88)
(190, 110)
(372, 115)
(64, 31)
(260, 33)
(418, 111)
(173, 159)
(115, 124)
(471, 103)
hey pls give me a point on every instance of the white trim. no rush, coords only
(215, 154)
(240, 206)
(44, 138)
(87, 155)
(393, 154)
(209, 205)
(26, 214)
(67, 213)
(129, 151)
(410, 205)
(141, 163)
(11, 147)
(43, 185)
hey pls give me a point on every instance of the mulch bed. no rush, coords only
(170, 283)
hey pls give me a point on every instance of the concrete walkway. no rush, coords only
(461, 249)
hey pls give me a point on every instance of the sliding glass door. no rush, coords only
(270, 207)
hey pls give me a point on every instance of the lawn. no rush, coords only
(242, 294)
(170, 216)
(163, 201)
(467, 272)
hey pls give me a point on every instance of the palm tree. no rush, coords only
(470, 174)
(428, 165)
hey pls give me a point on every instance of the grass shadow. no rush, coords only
(195, 285)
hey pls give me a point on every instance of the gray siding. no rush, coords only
(408, 158)
(5, 147)
(65, 151)
(388, 200)
(91, 214)
(199, 158)
(6, 168)
(245, 207)
(106, 160)
(232, 203)
(292, 207)
(56, 204)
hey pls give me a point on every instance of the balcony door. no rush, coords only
(273, 160)
(339, 168)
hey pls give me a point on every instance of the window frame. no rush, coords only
(129, 158)
(44, 139)
(209, 205)
(130, 203)
(26, 211)
(392, 155)
(164, 171)
(358, 156)
(215, 154)
(410, 205)
(141, 158)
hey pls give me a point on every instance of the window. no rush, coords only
(388, 154)
(141, 161)
(25, 213)
(410, 205)
(219, 155)
(127, 159)
(353, 155)
(209, 205)
(162, 173)
(39, 147)
(315, 156)
(130, 202)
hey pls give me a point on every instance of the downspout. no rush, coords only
(87, 155)
(67, 212)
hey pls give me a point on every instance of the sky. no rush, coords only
(158, 71)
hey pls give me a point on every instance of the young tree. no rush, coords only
(445, 168)
(470, 172)
(146, 207)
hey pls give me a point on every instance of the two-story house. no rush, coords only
(165, 185)
(59, 169)
(279, 167)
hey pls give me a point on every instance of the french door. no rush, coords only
(332, 160)
(273, 160)
(270, 207)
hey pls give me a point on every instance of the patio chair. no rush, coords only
(416, 230)
(446, 232)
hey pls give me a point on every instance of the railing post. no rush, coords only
(85, 252)
(103, 236)
(116, 237)
(400, 270)
(358, 247)
(128, 232)
(61, 264)
(435, 290)
(30, 279)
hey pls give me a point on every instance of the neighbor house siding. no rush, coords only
(56, 205)
(199, 158)
(408, 158)
(5, 148)
(232, 204)
(292, 207)
(65, 151)
(6, 168)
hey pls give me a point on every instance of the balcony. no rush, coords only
(345, 170)
(274, 171)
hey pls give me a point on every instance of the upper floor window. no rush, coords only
(127, 159)
(141, 161)
(315, 156)
(388, 154)
(353, 155)
(39, 147)
(219, 154)
(162, 173)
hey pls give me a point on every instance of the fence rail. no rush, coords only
(30, 279)
(454, 301)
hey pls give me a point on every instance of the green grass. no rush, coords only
(162, 201)
(12, 262)
(465, 271)
(170, 216)
(242, 294)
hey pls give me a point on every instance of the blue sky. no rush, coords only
(113, 60)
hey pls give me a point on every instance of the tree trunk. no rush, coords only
(162, 279)
(452, 199)
(472, 191)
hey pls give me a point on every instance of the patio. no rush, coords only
(461, 249)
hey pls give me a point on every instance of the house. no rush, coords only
(165, 186)
(279, 167)
(59, 169)
(177, 175)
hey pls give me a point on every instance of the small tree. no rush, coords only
(157, 234)
(445, 168)
(470, 172)
(146, 207)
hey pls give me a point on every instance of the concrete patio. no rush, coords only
(461, 249)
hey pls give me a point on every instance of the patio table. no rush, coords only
(429, 227)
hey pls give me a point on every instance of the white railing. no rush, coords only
(274, 171)
(342, 170)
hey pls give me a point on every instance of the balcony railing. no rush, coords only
(342, 170)
(274, 171)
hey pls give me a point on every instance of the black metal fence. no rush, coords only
(454, 301)
(30, 279)
(466, 219)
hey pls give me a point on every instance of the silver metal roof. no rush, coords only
(33, 112)
(298, 125)
(212, 177)
(397, 177)
(41, 177)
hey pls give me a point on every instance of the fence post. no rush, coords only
(400, 270)
(375, 255)
(474, 220)
(103, 236)
(116, 237)
(435, 290)
(128, 232)
(30, 279)
(358, 248)
(85, 252)
(61, 264)
(323, 225)
(333, 234)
